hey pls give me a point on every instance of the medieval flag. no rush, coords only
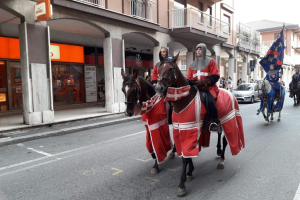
(275, 54)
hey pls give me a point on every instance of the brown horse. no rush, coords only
(170, 78)
(137, 90)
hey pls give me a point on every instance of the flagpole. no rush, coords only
(281, 68)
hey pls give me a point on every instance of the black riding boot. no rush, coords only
(212, 108)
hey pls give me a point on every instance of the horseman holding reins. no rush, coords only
(204, 73)
(291, 84)
(273, 76)
(164, 54)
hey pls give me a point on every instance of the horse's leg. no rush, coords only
(155, 168)
(182, 189)
(272, 117)
(279, 116)
(265, 116)
(172, 154)
(189, 175)
(219, 150)
(222, 159)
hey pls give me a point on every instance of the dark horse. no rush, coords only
(295, 89)
(137, 90)
(171, 77)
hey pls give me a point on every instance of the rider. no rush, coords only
(290, 85)
(164, 53)
(204, 73)
(273, 77)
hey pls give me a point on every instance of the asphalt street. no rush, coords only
(113, 163)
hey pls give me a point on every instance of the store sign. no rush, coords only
(54, 52)
(40, 9)
(43, 10)
(90, 84)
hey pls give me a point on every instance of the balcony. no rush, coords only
(142, 9)
(195, 19)
(95, 3)
(248, 39)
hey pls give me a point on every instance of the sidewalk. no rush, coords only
(67, 120)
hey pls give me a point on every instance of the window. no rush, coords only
(226, 26)
(200, 7)
(209, 17)
(138, 8)
(183, 65)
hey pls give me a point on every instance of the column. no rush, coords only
(255, 73)
(232, 71)
(36, 74)
(245, 71)
(189, 58)
(114, 97)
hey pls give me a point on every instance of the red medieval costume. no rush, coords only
(187, 125)
(154, 115)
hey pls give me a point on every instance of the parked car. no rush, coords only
(245, 92)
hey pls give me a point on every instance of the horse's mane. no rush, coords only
(151, 90)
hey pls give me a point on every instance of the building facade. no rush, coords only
(77, 56)
(269, 30)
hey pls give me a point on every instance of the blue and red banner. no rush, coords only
(275, 54)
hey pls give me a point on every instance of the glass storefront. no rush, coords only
(16, 85)
(3, 87)
(67, 83)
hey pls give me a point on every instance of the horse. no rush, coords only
(295, 89)
(268, 99)
(191, 129)
(137, 90)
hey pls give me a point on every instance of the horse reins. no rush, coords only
(174, 75)
(138, 90)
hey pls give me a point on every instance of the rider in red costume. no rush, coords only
(164, 53)
(204, 73)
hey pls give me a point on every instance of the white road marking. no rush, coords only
(40, 152)
(54, 155)
(35, 150)
(297, 195)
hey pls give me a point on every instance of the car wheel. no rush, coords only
(252, 100)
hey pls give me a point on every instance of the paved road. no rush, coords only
(112, 163)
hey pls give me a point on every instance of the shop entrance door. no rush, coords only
(3, 87)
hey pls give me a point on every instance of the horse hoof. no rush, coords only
(266, 123)
(219, 152)
(278, 120)
(221, 164)
(181, 192)
(154, 170)
(171, 155)
(272, 119)
(189, 178)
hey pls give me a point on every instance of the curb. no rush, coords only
(13, 140)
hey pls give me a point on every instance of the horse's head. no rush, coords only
(131, 90)
(167, 74)
(263, 87)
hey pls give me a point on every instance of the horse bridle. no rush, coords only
(174, 75)
(262, 88)
(138, 91)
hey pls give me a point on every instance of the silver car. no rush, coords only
(245, 92)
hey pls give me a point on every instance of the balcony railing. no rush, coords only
(193, 18)
(248, 44)
(248, 38)
(96, 3)
(142, 9)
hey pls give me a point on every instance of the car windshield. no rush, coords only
(244, 87)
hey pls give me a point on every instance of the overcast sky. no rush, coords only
(276, 10)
